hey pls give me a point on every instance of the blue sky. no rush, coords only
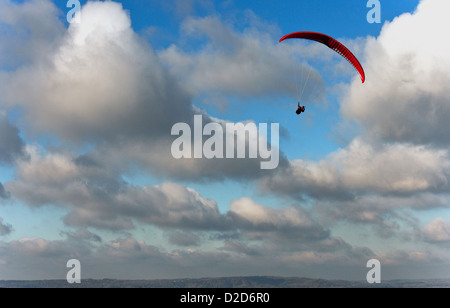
(87, 109)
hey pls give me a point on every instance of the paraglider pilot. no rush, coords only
(300, 109)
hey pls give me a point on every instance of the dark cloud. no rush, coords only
(83, 235)
(5, 228)
(11, 144)
(3, 193)
(104, 201)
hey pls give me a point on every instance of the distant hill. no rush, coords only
(226, 282)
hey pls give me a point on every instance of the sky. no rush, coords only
(88, 107)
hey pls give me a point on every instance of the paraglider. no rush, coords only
(332, 44)
(300, 109)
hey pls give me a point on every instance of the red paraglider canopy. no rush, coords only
(331, 43)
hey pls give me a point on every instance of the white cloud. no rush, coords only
(406, 96)
(365, 168)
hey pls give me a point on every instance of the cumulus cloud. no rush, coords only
(250, 63)
(362, 168)
(156, 156)
(405, 98)
(100, 82)
(97, 197)
(100, 198)
(368, 183)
